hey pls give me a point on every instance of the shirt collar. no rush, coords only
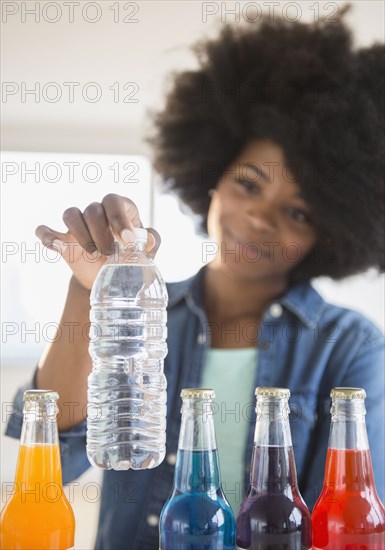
(302, 300)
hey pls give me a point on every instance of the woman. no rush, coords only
(275, 143)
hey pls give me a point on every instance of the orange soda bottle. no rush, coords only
(348, 514)
(38, 515)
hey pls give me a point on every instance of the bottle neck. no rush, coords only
(197, 467)
(272, 467)
(348, 464)
(131, 253)
(39, 454)
(272, 426)
(348, 428)
(39, 424)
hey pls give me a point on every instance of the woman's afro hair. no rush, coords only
(304, 87)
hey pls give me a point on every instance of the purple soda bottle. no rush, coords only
(273, 515)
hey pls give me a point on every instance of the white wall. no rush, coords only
(108, 52)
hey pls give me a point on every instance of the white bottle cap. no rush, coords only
(140, 234)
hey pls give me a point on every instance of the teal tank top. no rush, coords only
(231, 373)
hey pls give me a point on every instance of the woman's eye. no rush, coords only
(248, 185)
(298, 215)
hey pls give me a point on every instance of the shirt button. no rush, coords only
(276, 310)
(152, 520)
(201, 339)
(171, 459)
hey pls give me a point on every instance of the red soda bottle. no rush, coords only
(348, 514)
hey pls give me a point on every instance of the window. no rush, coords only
(36, 189)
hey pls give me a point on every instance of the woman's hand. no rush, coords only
(90, 236)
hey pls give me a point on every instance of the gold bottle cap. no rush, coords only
(40, 395)
(265, 391)
(197, 393)
(348, 393)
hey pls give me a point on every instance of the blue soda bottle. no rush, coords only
(197, 515)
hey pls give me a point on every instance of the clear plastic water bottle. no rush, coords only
(126, 425)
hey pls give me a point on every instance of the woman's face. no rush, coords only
(257, 217)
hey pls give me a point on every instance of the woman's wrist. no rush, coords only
(77, 287)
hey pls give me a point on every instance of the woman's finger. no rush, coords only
(123, 216)
(48, 236)
(97, 223)
(73, 218)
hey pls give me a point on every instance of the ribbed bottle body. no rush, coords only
(127, 388)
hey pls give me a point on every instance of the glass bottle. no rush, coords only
(348, 514)
(273, 515)
(38, 515)
(197, 515)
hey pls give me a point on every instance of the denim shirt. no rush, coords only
(304, 344)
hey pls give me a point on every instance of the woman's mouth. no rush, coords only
(251, 249)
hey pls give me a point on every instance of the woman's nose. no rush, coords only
(261, 216)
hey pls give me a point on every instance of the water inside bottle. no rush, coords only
(127, 386)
